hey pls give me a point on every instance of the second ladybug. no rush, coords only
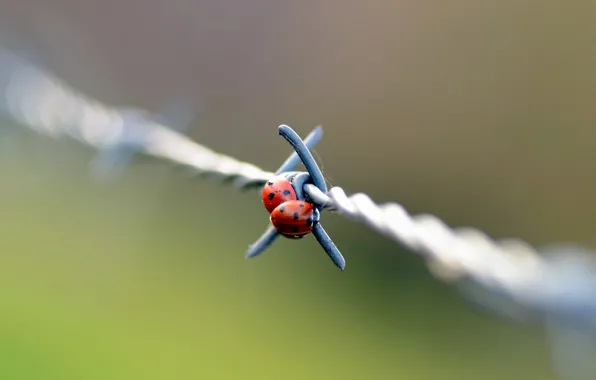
(294, 219)
(277, 191)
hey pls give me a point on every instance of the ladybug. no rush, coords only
(294, 219)
(277, 191)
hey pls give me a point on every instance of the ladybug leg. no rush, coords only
(263, 243)
(310, 141)
(328, 246)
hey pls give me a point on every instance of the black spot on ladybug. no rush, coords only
(282, 209)
(269, 183)
(296, 216)
(301, 204)
(271, 196)
(309, 222)
(286, 192)
(295, 229)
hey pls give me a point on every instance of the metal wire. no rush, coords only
(560, 282)
(36, 99)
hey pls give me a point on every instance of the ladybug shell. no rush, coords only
(277, 191)
(293, 219)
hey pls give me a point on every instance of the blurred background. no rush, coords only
(478, 112)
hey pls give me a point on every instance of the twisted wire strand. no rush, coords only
(507, 264)
(36, 99)
(559, 282)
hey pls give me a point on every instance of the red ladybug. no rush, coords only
(293, 219)
(277, 191)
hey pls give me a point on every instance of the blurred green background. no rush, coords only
(479, 112)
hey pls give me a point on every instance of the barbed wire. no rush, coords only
(558, 283)
(36, 99)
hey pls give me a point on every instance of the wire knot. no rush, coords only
(292, 200)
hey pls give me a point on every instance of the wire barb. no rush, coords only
(298, 180)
